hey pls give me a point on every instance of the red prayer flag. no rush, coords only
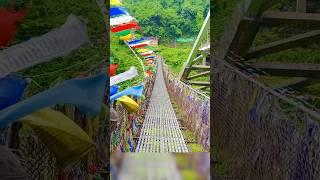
(113, 69)
(8, 24)
(146, 55)
(149, 72)
(131, 25)
(140, 46)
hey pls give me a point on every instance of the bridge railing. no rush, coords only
(128, 124)
(263, 135)
(194, 106)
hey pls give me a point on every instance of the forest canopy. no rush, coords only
(169, 19)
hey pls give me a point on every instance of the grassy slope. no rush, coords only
(45, 15)
(174, 57)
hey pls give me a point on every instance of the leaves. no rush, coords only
(168, 19)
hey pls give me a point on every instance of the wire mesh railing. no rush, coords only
(263, 134)
(161, 130)
(194, 105)
(126, 127)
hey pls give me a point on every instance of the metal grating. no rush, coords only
(149, 166)
(161, 131)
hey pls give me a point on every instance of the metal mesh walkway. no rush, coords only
(161, 131)
(149, 166)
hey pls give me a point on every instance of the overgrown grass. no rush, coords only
(174, 57)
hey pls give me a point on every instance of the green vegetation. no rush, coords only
(194, 147)
(174, 57)
(168, 19)
(189, 136)
(222, 12)
(189, 174)
(45, 15)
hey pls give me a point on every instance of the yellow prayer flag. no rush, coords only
(115, 2)
(128, 103)
(68, 142)
(126, 38)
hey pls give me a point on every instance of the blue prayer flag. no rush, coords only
(11, 90)
(136, 41)
(114, 89)
(85, 93)
(117, 11)
(136, 91)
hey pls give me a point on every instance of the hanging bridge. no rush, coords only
(161, 130)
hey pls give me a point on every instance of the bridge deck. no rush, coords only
(161, 131)
(149, 166)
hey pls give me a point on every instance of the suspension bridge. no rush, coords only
(161, 130)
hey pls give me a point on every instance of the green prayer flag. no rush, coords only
(123, 33)
(151, 68)
(111, 60)
(149, 47)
